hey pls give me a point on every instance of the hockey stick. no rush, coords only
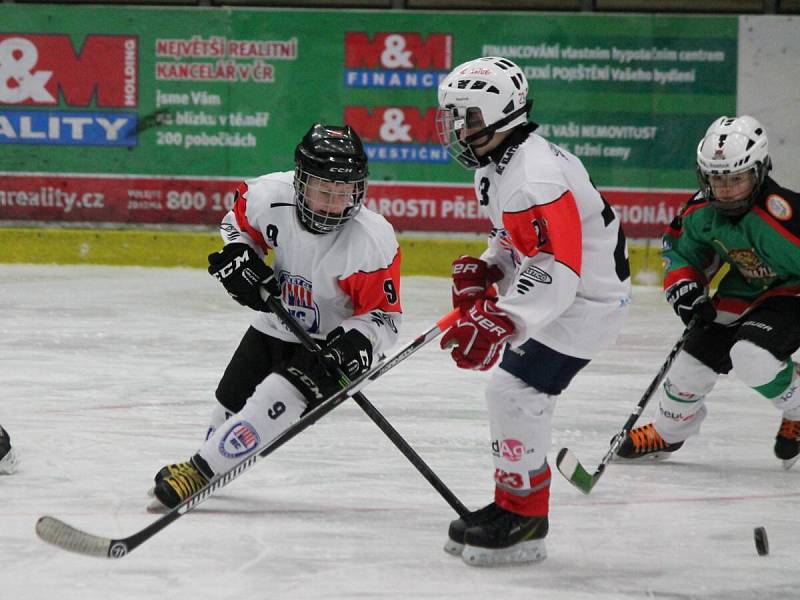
(569, 465)
(373, 413)
(56, 532)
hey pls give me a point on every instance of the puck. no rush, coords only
(760, 538)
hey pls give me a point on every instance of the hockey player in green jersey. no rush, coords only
(751, 326)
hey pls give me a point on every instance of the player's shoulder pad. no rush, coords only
(374, 238)
(541, 160)
(697, 201)
(271, 186)
(782, 204)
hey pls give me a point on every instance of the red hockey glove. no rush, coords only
(478, 336)
(472, 281)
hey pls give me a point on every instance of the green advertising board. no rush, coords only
(151, 114)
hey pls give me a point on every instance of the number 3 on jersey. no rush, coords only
(621, 264)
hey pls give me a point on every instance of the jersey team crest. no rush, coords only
(779, 208)
(750, 264)
(299, 300)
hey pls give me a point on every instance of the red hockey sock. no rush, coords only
(534, 503)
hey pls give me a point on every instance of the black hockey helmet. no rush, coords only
(330, 177)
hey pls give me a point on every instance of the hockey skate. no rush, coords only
(644, 442)
(505, 538)
(166, 472)
(455, 534)
(787, 442)
(175, 483)
(8, 455)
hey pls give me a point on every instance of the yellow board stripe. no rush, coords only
(156, 248)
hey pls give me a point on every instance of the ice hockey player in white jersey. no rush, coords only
(8, 454)
(336, 269)
(559, 260)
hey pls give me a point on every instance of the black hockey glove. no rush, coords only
(243, 274)
(688, 299)
(351, 351)
(315, 373)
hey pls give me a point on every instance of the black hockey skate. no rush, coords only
(175, 483)
(455, 534)
(169, 470)
(644, 442)
(8, 456)
(505, 538)
(787, 442)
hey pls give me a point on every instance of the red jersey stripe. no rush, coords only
(240, 212)
(676, 233)
(738, 306)
(376, 290)
(683, 274)
(772, 222)
(531, 229)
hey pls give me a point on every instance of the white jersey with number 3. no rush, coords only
(566, 279)
(348, 278)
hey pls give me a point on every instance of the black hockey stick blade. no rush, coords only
(58, 533)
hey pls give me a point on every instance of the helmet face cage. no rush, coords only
(325, 205)
(461, 131)
(733, 146)
(488, 91)
(330, 177)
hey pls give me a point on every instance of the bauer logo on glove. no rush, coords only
(688, 299)
(472, 281)
(479, 336)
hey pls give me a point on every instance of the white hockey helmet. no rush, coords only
(490, 93)
(731, 146)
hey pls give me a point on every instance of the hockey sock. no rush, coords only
(774, 379)
(533, 502)
(520, 419)
(682, 408)
(782, 391)
(218, 416)
(274, 406)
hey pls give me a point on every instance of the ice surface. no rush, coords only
(106, 374)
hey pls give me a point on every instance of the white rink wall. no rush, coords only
(769, 87)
